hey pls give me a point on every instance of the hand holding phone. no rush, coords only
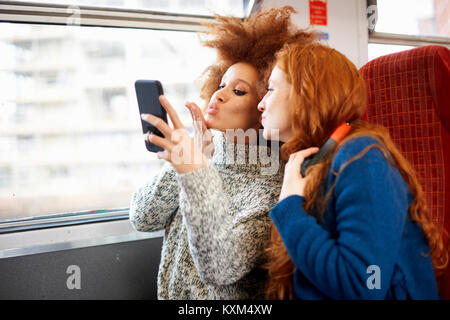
(148, 92)
(179, 148)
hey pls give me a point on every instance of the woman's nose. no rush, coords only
(261, 106)
(220, 95)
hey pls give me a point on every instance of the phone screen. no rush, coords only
(147, 93)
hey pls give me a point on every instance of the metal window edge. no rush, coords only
(407, 40)
(59, 220)
(79, 241)
(24, 12)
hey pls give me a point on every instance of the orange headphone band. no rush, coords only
(341, 132)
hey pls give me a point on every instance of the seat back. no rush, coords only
(409, 93)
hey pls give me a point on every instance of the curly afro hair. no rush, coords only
(254, 40)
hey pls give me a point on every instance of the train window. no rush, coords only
(69, 125)
(199, 7)
(414, 17)
(404, 24)
(376, 50)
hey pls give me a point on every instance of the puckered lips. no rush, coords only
(212, 108)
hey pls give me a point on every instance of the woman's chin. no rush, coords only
(210, 123)
(266, 134)
(271, 134)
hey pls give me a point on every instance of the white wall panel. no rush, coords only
(347, 25)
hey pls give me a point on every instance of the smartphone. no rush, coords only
(327, 148)
(148, 92)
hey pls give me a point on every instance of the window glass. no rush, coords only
(376, 50)
(70, 131)
(414, 17)
(198, 7)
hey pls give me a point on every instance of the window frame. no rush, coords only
(403, 39)
(82, 15)
(62, 219)
(407, 40)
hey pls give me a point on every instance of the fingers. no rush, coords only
(190, 111)
(196, 110)
(298, 157)
(171, 111)
(161, 142)
(196, 114)
(159, 123)
(164, 155)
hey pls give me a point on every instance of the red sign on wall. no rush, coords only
(318, 12)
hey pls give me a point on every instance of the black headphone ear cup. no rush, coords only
(320, 156)
(306, 163)
(326, 149)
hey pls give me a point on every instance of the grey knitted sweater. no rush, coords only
(216, 222)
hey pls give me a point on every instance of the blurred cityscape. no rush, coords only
(70, 131)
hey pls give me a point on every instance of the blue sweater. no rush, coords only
(366, 246)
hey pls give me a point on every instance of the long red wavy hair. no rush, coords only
(326, 90)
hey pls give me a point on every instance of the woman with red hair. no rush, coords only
(356, 225)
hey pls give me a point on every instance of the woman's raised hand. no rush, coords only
(202, 135)
(179, 148)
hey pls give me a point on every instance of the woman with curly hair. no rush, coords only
(215, 210)
(356, 225)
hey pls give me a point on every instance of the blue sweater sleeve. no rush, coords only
(370, 206)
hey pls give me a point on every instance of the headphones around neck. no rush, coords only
(327, 148)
